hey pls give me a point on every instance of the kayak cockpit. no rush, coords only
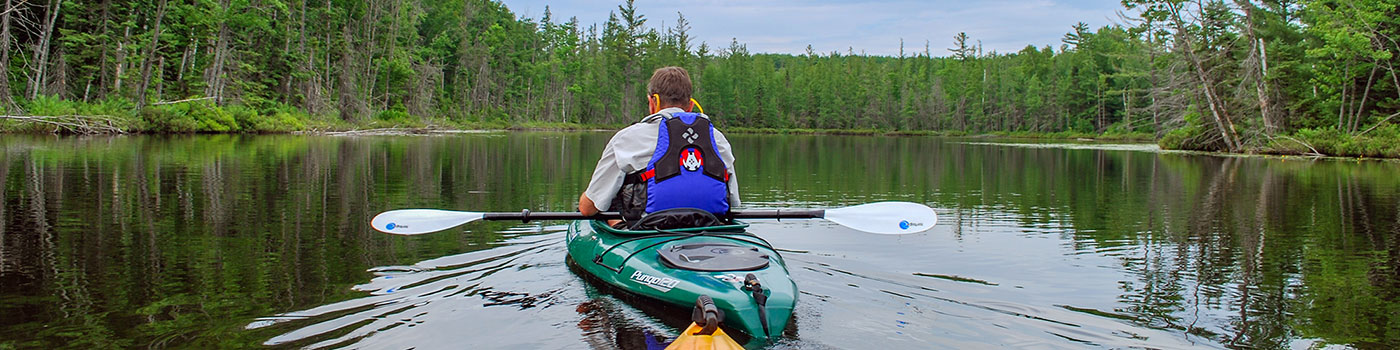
(733, 226)
(676, 241)
(744, 275)
(713, 257)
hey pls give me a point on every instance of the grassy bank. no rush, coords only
(1381, 142)
(203, 116)
(1066, 135)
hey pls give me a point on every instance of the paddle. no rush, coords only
(893, 218)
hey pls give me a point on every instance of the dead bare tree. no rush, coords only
(215, 76)
(41, 51)
(6, 101)
(1256, 64)
(421, 98)
(150, 56)
(1218, 111)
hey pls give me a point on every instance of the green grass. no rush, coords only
(1383, 142)
(206, 117)
(1066, 135)
(561, 126)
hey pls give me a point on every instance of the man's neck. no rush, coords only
(659, 113)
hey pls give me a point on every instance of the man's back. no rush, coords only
(633, 147)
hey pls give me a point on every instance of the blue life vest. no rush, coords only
(686, 171)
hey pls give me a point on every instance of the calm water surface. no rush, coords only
(263, 242)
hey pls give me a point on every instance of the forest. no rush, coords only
(1314, 77)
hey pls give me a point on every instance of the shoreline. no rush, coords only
(1319, 145)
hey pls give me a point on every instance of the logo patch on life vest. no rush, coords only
(690, 135)
(663, 284)
(690, 159)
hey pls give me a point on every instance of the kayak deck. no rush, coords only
(630, 260)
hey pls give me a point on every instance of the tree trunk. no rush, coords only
(392, 38)
(1152, 73)
(160, 78)
(1356, 113)
(185, 60)
(150, 56)
(6, 99)
(214, 75)
(286, 88)
(1342, 107)
(367, 55)
(1217, 109)
(310, 99)
(41, 51)
(1270, 124)
(1258, 51)
(101, 78)
(121, 61)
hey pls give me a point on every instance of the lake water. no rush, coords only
(263, 241)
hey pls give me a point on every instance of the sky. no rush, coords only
(874, 27)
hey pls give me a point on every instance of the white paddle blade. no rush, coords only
(419, 221)
(889, 218)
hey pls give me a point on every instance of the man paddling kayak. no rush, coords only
(672, 158)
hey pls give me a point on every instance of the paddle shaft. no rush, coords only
(527, 216)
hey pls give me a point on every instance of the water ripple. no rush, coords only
(452, 291)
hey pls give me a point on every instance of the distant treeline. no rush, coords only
(1304, 76)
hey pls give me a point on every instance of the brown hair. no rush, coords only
(672, 83)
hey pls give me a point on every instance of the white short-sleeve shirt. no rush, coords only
(631, 149)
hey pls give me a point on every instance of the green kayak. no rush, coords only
(742, 273)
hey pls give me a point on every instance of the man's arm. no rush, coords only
(607, 175)
(607, 178)
(726, 154)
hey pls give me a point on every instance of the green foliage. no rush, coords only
(207, 118)
(394, 115)
(45, 105)
(1381, 142)
(164, 120)
(250, 120)
(284, 66)
(1187, 137)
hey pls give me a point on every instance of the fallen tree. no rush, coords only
(72, 124)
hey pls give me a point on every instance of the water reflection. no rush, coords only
(254, 241)
(408, 305)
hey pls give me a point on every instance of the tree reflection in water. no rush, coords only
(182, 241)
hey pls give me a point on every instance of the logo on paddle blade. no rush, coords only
(392, 226)
(905, 225)
(663, 284)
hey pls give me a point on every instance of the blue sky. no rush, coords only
(872, 26)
